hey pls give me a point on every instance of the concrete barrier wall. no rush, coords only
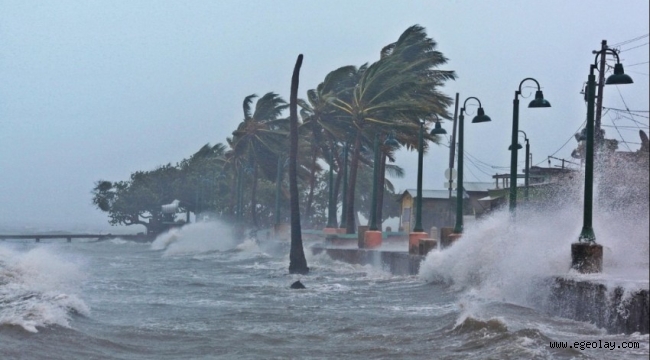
(611, 309)
(398, 263)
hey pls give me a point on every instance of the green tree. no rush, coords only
(257, 141)
(394, 94)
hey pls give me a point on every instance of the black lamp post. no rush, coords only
(480, 117)
(586, 255)
(538, 102)
(527, 166)
(618, 78)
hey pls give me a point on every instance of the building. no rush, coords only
(439, 208)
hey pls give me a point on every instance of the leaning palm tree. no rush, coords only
(394, 94)
(320, 127)
(257, 141)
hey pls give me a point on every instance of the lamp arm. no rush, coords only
(525, 136)
(471, 97)
(605, 51)
(524, 80)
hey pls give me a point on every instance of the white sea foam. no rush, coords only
(38, 288)
(505, 262)
(195, 238)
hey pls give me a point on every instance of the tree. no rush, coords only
(320, 127)
(256, 143)
(297, 260)
(137, 201)
(394, 94)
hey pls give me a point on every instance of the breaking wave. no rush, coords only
(196, 238)
(38, 289)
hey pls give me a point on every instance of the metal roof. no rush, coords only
(444, 194)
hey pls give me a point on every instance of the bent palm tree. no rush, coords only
(394, 94)
(257, 141)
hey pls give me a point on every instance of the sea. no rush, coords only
(198, 293)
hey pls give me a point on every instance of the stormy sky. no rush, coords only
(94, 90)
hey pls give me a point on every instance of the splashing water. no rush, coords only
(37, 289)
(195, 238)
(501, 260)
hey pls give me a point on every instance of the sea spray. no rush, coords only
(505, 260)
(196, 238)
(38, 289)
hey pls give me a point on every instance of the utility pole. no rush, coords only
(598, 135)
(452, 153)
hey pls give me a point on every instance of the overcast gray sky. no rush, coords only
(95, 90)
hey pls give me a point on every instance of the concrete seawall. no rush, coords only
(397, 262)
(613, 309)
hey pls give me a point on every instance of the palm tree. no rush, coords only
(394, 94)
(257, 141)
(320, 128)
(297, 260)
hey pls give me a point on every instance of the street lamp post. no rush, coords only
(586, 255)
(418, 231)
(527, 166)
(372, 237)
(480, 117)
(538, 102)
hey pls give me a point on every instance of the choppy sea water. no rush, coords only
(196, 294)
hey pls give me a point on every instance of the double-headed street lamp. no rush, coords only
(618, 78)
(527, 166)
(480, 117)
(538, 102)
(586, 255)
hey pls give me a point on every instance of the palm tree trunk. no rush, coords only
(380, 187)
(297, 260)
(350, 226)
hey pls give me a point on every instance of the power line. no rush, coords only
(641, 63)
(631, 40)
(626, 110)
(638, 46)
(563, 145)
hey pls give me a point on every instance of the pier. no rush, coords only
(69, 237)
